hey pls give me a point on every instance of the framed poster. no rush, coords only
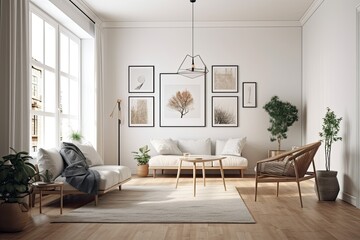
(141, 111)
(225, 111)
(182, 101)
(225, 79)
(249, 94)
(141, 79)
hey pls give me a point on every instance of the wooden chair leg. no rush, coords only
(301, 203)
(256, 185)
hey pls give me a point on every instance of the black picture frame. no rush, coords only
(225, 111)
(141, 79)
(225, 79)
(141, 111)
(249, 94)
(172, 84)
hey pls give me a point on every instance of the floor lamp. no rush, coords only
(118, 104)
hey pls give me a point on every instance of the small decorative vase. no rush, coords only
(142, 170)
(13, 217)
(328, 185)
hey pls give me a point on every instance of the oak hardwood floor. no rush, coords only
(277, 217)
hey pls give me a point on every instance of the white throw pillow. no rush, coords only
(166, 146)
(195, 146)
(51, 160)
(91, 155)
(219, 146)
(234, 146)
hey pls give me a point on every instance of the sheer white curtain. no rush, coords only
(15, 92)
(99, 89)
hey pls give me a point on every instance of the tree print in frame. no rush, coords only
(225, 111)
(141, 111)
(249, 91)
(225, 78)
(141, 79)
(182, 101)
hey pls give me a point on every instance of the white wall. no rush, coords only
(329, 80)
(270, 56)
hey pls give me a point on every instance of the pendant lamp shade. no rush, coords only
(192, 66)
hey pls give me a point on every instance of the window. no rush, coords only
(55, 91)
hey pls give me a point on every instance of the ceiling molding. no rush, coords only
(311, 10)
(226, 24)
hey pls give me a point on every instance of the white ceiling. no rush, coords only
(205, 10)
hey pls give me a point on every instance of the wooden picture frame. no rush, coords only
(249, 94)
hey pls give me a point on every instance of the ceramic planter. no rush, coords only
(328, 185)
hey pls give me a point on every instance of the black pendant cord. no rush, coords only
(192, 26)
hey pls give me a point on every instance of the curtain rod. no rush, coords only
(82, 12)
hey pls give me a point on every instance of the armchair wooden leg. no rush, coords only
(256, 185)
(301, 203)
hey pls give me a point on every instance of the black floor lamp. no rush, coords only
(118, 104)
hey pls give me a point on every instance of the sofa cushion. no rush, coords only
(171, 161)
(232, 161)
(195, 146)
(91, 155)
(110, 175)
(50, 159)
(166, 146)
(233, 146)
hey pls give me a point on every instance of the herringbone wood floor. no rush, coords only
(277, 218)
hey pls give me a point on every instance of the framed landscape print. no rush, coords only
(225, 111)
(225, 79)
(141, 111)
(249, 95)
(141, 79)
(182, 101)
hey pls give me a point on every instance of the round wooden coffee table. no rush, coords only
(200, 159)
(49, 188)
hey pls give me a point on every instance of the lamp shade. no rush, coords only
(192, 67)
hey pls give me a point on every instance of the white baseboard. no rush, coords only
(348, 198)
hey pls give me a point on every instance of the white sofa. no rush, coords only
(169, 151)
(111, 176)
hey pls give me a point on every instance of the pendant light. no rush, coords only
(192, 66)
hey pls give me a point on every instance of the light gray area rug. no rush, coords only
(164, 204)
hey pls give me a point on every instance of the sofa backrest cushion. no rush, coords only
(166, 146)
(92, 156)
(50, 159)
(195, 146)
(232, 146)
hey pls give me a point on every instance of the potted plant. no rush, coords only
(76, 136)
(282, 116)
(142, 157)
(327, 180)
(16, 175)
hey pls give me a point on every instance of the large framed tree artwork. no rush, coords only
(182, 101)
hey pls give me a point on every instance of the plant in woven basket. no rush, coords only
(142, 156)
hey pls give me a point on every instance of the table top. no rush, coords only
(201, 158)
(46, 184)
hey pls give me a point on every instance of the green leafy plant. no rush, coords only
(142, 156)
(76, 136)
(282, 116)
(16, 175)
(329, 134)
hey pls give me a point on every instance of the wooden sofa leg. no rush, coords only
(242, 173)
(256, 186)
(119, 187)
(154, 173)
(96, 199)
(277, 189)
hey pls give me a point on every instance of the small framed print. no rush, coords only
(141, 79)
(249, 94)
(141, 111)
(225, 111)
(182, 101)
(225, 78)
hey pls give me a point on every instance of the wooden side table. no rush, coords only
(200, 159)
(49, 188)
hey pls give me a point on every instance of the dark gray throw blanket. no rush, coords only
(77, 172)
